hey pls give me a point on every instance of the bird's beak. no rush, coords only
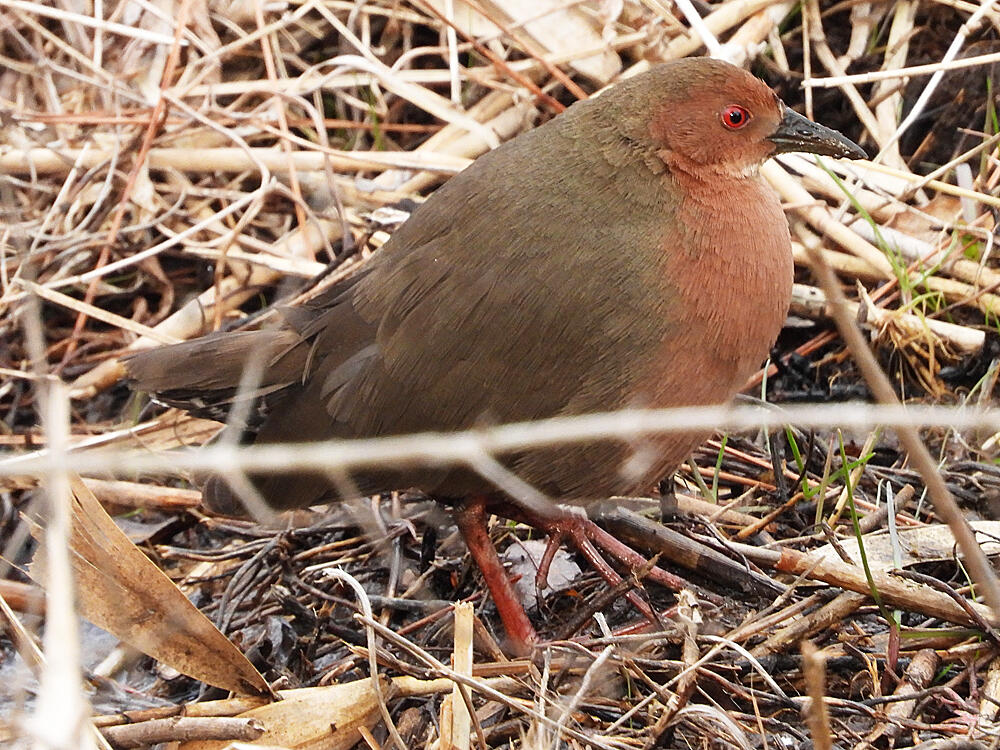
(797, 133)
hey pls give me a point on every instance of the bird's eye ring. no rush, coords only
(735, 117)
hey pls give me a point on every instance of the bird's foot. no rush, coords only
(590, 539)
(571, 525)
(575, 529)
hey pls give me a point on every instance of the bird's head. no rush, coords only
(710, 115)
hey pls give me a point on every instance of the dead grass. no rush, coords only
(171, 169)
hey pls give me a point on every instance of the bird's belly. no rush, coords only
(682, 371)
(705, 379)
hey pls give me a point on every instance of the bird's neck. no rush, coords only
(694, 174)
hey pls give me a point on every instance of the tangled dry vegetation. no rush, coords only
(167, 168)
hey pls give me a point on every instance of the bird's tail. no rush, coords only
(205, 375)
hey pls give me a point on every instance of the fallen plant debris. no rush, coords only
(171, 169)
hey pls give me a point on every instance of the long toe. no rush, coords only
(629, 557)
(590, 539)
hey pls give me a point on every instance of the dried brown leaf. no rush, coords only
(321, 718)
(122, 591)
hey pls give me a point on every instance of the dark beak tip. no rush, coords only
(853, 151)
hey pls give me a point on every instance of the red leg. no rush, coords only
(470, 517)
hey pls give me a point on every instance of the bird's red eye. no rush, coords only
(735, 117)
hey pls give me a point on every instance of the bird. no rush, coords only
(626, 253)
